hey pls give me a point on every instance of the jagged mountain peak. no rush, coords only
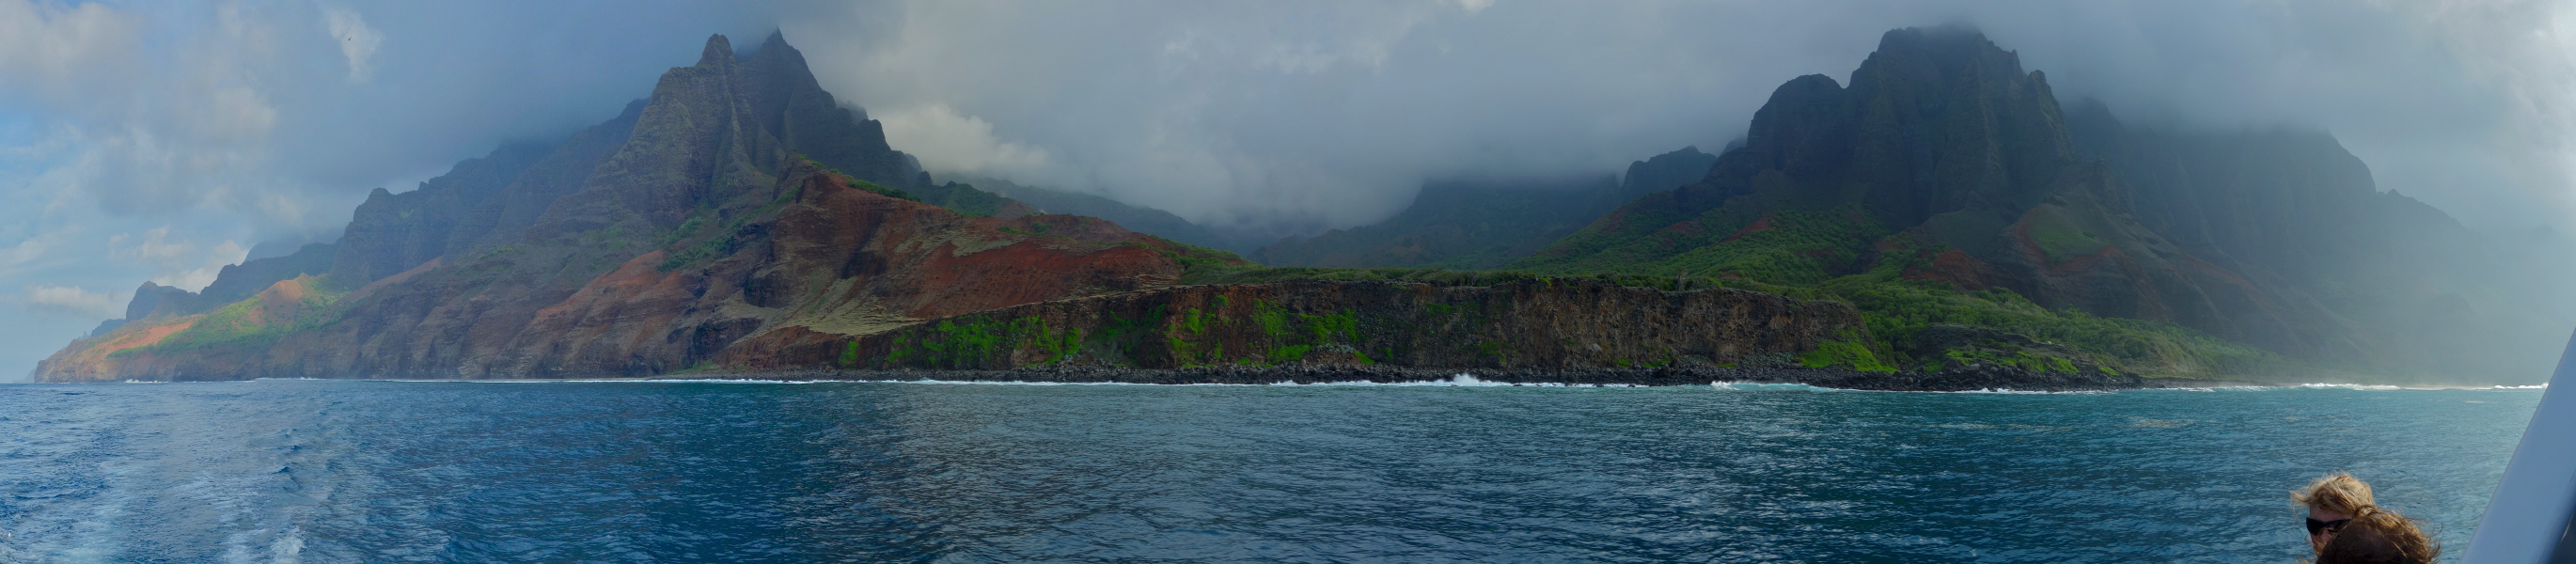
(738, 201)
(1940, 139)
(719, 52)
(1936, 121)
(775, 45)
(1950, 50)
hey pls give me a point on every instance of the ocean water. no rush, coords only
(358, 471)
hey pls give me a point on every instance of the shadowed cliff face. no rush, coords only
(2294, 210)
(1561, 323)
(480, 203)
(1943, 146)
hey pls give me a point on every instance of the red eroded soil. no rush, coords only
(2084, 262)
(146, 337)
(838, 258)
(1758, 226)
(1955, 267)
(1686, 228)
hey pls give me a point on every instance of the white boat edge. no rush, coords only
(2527, 520)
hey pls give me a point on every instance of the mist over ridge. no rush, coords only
(1256, 121)
(1335, 124)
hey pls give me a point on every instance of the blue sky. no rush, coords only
(161, 140)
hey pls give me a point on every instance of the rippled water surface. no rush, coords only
(328, 471)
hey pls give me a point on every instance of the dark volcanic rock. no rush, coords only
(391, 232)
(785, 101)
(1532, 323)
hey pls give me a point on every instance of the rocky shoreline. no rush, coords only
(1955, 379)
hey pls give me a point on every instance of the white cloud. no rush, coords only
(54, 49)
(2526, 50)
(947, 142)
(185, 124)
(1209, 111)
(177, 263)
(73, 299)
(357, 41)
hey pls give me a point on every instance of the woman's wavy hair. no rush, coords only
(2339, 492)
(2379, 536)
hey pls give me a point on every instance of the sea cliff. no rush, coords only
(1553, 323)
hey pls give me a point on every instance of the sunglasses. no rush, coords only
(2316, 527)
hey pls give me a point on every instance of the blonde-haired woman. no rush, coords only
(2331, 501)
(2347, 526)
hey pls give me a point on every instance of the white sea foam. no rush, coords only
(623, 381)
(1465, 380)
(716, 381)
(1014, 383)
(2147, 423)
(2013, 392)
(1461, 380)
(1964, 426)
(2351, 387)
(1765, 386)
(1458, 380)
(289, 548)
(1455, 381)
(1771, 387)
(2362, 387)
